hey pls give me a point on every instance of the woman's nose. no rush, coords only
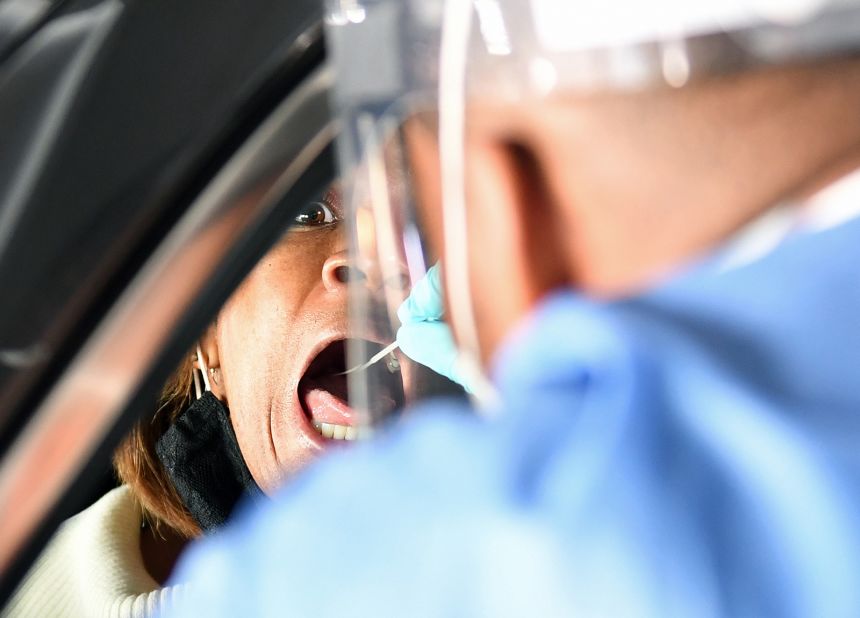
(338, 270)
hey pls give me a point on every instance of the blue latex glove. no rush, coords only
(424, 336)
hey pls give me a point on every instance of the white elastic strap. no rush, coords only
(204, 371)
(198, 392)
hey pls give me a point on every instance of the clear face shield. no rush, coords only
(396, 294)
(412, 74)
(390, 255)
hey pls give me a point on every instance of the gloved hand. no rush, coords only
(424, 336)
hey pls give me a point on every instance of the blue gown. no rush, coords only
(694, 451)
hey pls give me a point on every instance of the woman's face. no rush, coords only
(278, 345)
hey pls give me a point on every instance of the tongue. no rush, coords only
(334, 384)
(325, 399)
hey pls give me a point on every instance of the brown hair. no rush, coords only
(138, 466)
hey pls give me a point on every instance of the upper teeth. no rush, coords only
(343, 432)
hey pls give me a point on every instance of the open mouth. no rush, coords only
(324, 395)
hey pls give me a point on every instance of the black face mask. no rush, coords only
(202, 458)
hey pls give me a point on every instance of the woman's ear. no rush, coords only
(211, 363)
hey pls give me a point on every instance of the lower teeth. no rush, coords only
(343, 432)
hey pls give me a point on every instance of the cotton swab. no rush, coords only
(373, 359)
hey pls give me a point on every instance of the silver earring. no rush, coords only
(212, 371)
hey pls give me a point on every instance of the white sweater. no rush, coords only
(93, 568)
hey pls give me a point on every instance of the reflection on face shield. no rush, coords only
(389, 245)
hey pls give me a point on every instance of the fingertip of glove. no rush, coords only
(404, 311)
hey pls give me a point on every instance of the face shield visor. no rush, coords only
(412, 75)
(394, 266)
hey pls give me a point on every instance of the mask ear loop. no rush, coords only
(456, 29)
(202, 370)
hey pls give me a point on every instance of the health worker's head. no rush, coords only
(611, 190)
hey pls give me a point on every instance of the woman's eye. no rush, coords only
(317, 213)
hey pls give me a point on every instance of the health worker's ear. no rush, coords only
(516, 245)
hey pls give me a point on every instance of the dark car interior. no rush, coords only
(156, 179)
